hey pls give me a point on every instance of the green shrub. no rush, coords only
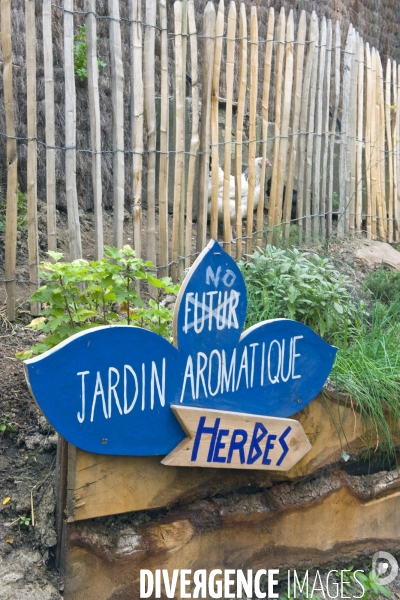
(80, 295)
(297, 285)
(383, 284)
(80, 56)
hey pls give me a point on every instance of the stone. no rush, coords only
(380, 253)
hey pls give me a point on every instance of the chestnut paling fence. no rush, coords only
(313, 98)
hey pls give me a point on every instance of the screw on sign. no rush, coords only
(123, 390)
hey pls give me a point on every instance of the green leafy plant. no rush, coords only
(372, 589)
(80, 295)
(7, 425)
(80, 56)
(383, 285)
(368, 370)
(22, 212)
(297, 285)
(25, 521)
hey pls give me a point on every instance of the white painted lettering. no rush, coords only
(211, 277)
(188, 298)
(228, 377)
(232, 318)
(210, 362)
(262, 363)
(199, 324)
(155, 379)
(112, 390)
(276, 378)
(294, 355)
(221, 316)
(143, 385)
(188, 375)
(253, 346)
(210, 309)
(81, 416)
(229, 278)
(200, 373)
(127, 409)
(98, 391)
(285, 379)
(244, 366)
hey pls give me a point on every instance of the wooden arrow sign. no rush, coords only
(230, 440)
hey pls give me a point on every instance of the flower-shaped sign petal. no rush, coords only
(110, 389)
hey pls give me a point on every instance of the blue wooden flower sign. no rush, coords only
(109, 390)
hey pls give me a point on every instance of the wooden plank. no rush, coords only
(360, 122)
(310, 136)
(286, 110)
(294, 140)
(315, 204)
(219, 32)
(325, 125)
(368, 150)
(50, 126)
(344, 160)
(204, 149)
(195, 140)
(164, 137)
(252, 125)
(179, 138)
(389, 141)
(137, 109)
(33, 248)
(102, 485)
(95, 128)
(313, 33)
(75, 245)
(264, 115)
(12, 160)
(280, 55)
(380, 140)
(150, 122)
(332, 135)
(230, 57)
(353, 135)
(195, 452)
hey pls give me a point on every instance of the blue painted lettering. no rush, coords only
(238, 444)
(202, 430)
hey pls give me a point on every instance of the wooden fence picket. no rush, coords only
(310, 132)
(164, 138)
(205, 135)
(359, 149)
(332, 135)
(325, 127)
(294, 140)
(50, 126)
(264, 116)
(95, 129)
(275, 192)
(317, 175)
(252, 125)
(194, 144)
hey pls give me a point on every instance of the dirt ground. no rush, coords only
(28, 442)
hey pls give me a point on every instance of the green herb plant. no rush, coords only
(297, 285)
(383, 285)
(25, 521)
(7, 425)
(80, 56)
(22, 212)
(79, 295)
(372, 589)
